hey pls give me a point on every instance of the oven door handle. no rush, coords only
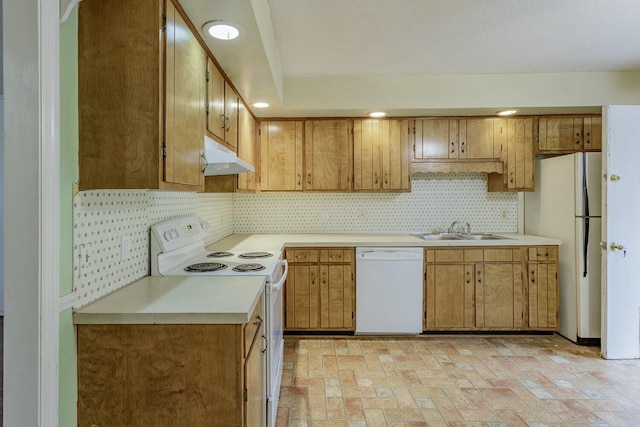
(275, 288)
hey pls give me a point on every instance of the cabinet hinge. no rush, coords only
(352, 278)
(259, 132)
(425, 314)
(425, 276)
(164, 151)
(556, 276)
(353, 315)
(207, 75)
(164, 22)
(245, 395)
(206, 107)
(260, 179)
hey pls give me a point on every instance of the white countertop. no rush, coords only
(177, 300)
(276, 242)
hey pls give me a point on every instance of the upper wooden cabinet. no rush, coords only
(222, 107)
(455, 145)
(515, 136)
(454, 139)
(327, 149)
(281, 155)
(139, 125)
(246, 147)
(569, 134)
(381, 155)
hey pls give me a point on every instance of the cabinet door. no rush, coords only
(432, 140)
(592, 134)
(450, 296)
(521, 158)
(327, 152)
(560, 134)
(281, 155)
(231, 102)
(336, 297)
(499, 299)
(255, 404)
(380, 154)
(184, 114)
(215, 100)
(367, 165)
(301, 293)
(543, 296)
(246, 147)
(476, 139)
(395, 155)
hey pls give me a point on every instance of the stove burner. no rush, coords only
(204, 267)
(220, 254)
(255, 255)
(243, 268)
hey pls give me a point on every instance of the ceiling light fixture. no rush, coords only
(222, 30)
(510, 112)
(377, 114)
(260, 104)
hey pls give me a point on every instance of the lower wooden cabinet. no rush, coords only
(320, 289)
(178, 375)
(484, 288)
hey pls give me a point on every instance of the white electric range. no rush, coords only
(178, 249)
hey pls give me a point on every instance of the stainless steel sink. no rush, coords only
(459, 236)
(481, 236)
(438, 236)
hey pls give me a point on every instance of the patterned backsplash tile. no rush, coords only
(103, 217)
(435, 201)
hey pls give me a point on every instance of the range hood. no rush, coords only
(222, 161)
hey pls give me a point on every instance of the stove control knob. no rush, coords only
(174, 234)
(167, 236)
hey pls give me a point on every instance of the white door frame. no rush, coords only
(32, 221)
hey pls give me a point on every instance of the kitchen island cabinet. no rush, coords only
(141, 97)
(381, 155)
(320, 289)
(147, 358)
(475, 289)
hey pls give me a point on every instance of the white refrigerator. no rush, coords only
(567, 206)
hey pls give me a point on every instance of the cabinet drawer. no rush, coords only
(444, 255)
(336, 255)
(502, 254)
(251, 328)
(302, 255)
(543, 253)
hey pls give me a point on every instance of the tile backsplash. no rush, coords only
(434, 202)
(103, 217)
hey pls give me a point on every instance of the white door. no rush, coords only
(621, 232)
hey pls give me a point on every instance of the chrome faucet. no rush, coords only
(452, 227)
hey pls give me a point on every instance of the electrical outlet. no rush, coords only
(125, 247)
(361, 214)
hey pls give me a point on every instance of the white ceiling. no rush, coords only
(285, 40)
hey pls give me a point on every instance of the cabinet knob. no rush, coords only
(299, 179)
(309, 179)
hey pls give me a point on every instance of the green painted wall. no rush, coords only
(68, 175)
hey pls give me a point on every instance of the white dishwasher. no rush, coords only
(389, 290)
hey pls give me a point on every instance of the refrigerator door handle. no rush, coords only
(585, 249)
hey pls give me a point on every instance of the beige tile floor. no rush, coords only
(456, 381)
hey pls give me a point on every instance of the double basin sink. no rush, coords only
(458, 236)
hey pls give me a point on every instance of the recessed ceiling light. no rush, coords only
(510, 112)
(377, 114)
(260, 104)
(222, 30)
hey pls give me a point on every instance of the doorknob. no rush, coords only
(616, 246)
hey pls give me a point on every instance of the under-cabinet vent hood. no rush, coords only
(222, 161)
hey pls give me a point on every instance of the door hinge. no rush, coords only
(207, 75)
(206, 107)
(164, 22)
(245, 395)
